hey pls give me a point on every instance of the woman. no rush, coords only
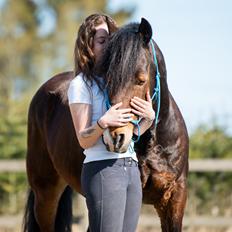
(110, 181)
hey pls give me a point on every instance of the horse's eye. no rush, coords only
(139, 82)
(140, 78)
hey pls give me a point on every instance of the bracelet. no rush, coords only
(100, 125)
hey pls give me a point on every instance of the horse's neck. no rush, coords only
(150, 138)
(171, 125)
(164, 136)
(167, 126)
(171, 129)
(165, 101)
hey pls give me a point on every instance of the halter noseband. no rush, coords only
(155, 96)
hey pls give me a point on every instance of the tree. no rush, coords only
(212, 142)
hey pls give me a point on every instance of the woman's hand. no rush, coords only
(143, 108)
(116, 117)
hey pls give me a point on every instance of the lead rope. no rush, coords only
(157, 89)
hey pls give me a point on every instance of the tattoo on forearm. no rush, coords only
(88, 132)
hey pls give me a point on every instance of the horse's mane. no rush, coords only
(123, 51)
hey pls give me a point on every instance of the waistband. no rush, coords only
(125, 161)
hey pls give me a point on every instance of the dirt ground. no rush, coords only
(148, 222)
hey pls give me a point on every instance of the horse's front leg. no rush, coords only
(171, 214)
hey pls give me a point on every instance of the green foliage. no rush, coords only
(211, 190)
(12, 192)
(212, 142)
(13, 128)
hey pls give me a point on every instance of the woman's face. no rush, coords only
(100, 40)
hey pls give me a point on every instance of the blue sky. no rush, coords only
(196, 40)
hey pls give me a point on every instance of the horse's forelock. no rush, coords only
(121, 56)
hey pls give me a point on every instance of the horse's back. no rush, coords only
(55, 86)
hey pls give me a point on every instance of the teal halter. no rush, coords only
(155, 96)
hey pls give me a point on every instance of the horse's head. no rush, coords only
(127, 66)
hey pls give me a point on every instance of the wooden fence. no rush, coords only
(205, 165)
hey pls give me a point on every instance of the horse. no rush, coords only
(54, 157)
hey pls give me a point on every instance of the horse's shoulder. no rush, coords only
(57, 86)
(58, 83)
(51, 92)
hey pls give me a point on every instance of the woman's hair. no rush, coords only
(84, 60)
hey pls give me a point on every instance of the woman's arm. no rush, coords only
(81, 115)
(88, 135)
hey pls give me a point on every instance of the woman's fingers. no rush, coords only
(148, 96)
(123, 111)
(137, 112)
(138, 107)
(116, 106)
(140, 102)
(127, 115)
(122, 123)
(126, 119)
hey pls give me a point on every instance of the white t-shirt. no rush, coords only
(80, 92)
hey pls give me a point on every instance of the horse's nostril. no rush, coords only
(122, 137)
(118, 141)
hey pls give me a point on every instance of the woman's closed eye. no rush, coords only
(101, 41)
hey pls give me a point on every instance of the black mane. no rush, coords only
(121, 57)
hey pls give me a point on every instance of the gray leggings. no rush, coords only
(113, 194)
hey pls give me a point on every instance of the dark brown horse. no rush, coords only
(54, 158)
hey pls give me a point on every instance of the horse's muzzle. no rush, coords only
(118, 140)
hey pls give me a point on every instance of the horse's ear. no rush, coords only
(146, 30)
